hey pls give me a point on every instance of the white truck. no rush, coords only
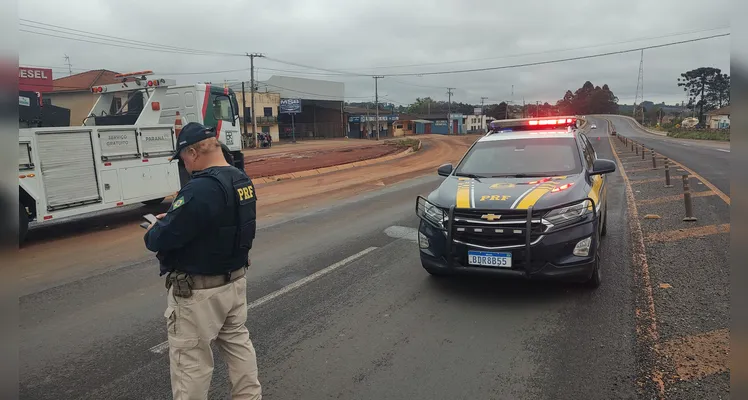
(118, 158)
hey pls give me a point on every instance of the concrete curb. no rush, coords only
(341, 167)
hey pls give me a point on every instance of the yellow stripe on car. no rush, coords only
(594, 193)
(463, 193)
(531, 198)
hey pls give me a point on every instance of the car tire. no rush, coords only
(23, 223)
(596, 278)
(604, 230)
(154, 202)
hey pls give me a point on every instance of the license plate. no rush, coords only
(490, 259)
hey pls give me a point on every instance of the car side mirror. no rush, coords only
(602, 166)
(445, 170)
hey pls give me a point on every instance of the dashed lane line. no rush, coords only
(162, 347)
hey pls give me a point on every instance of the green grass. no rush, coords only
(405, 143)
(701, 134)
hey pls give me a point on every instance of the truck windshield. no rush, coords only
(522, 157)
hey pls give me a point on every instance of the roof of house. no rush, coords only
(85, 80)
(720, 111)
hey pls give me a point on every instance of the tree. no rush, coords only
(497, 111)
(718, 92)
(700, 85)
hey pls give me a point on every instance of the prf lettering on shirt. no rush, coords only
(246, 192)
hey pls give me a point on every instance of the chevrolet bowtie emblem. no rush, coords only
(490, 217)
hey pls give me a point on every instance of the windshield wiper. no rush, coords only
(476, 177)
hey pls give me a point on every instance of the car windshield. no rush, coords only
(522, 157)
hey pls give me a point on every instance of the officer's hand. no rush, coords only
(161, 216)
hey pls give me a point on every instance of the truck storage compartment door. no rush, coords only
(110, 181)
(157, 141)
(146, 181)
(118, 143)
(68, 170)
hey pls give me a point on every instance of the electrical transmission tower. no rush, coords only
(70, 66)
(638, 108)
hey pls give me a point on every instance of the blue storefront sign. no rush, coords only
(290, 106)
(373, 118)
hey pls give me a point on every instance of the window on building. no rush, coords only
(268, 111)
(248, 113)
(265, 129)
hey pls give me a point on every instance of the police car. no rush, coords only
(527, 200)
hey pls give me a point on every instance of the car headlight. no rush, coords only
(569, 213)
(430, 212)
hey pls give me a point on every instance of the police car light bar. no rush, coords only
(562, 121)
(530, 123)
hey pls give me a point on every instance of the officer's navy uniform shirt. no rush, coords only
(197, 234)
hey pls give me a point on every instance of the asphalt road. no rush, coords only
(375, 327)
(707, 158)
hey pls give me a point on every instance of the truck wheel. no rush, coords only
(23, 223)
(154, 201)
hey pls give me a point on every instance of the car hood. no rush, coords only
(509, 193)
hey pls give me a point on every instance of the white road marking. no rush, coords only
(402, 232)
(726, 151)
(159, 348)
(686, 144)
(162, 347)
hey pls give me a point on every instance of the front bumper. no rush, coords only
(546, 255)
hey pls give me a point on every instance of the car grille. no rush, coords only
(508, 231)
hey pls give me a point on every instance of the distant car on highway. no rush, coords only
(593, 126)
(527, 200)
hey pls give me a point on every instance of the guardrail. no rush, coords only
(634, 146)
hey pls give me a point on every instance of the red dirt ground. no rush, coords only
(284, 163)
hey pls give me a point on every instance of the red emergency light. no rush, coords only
(561, 121)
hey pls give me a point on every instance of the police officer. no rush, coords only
(203, 243)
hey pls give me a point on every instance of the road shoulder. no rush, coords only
(682, 279)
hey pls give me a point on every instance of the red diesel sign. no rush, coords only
(35, 79)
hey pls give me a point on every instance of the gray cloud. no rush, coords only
(359, 37)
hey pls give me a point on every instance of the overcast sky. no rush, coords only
(412, 36)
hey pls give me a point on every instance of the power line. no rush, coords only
(100, 36)
(560, 60)
(317, 68)
(114, 45)
(543, 52)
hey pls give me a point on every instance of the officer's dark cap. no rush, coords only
(191, 134)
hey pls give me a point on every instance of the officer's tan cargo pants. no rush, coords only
(219, 315)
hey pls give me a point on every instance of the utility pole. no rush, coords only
(376, 99)
(640, 87)
(523, 108)
(244, 109)
(253, 112)
(449, 110)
